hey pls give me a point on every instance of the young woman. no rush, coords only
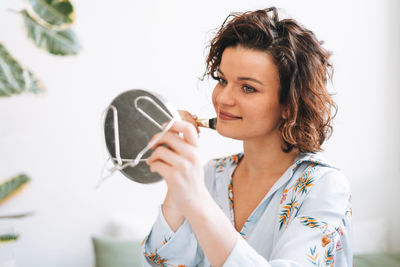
(278, 203)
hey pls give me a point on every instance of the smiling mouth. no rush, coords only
(227, 116)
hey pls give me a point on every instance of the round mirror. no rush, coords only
(132, 119)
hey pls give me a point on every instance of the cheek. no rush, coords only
(274, 115)
(269, 113)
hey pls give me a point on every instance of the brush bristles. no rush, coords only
(207, 123)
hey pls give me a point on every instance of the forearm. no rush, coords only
(173, 217)
(213, 230)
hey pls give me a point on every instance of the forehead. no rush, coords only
(239, 61)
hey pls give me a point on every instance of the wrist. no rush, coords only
(173, 217)
(168, 207)
(200, 207)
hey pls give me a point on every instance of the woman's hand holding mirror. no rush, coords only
(179, 163)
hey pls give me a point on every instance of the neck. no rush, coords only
(264, 158)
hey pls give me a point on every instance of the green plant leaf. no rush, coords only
(12, 185)
(8, 237)
(17, 216)
(52, 14)
(62, 42)
(14, 79)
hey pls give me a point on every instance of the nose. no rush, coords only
(225, 96)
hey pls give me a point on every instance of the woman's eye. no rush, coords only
(249, 89)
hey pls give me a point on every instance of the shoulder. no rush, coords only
(328, 188)
(320, 170)
(317, 190)
(316, 181)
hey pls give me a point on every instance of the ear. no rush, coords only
(285, 113)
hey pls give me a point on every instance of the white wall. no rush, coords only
(160, 45)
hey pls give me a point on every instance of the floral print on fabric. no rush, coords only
(165, 240)
(349, 210)
(305, 181)
(281, 229)
(287, 212)
(315, 258)
(297, 191)
(234, 160)
(244, 232)
(230, 195)
(323, 254)
(221, 163)
(156, 259)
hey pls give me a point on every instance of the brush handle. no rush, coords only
(207, 123)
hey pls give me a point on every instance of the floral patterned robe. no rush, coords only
(304, 220)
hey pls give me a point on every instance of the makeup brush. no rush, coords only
(207, 123)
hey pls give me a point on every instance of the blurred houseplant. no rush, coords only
(48, 24)
(8, 189)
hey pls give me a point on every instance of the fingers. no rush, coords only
(164, 155)
(176, 144)
(161, 168)
(188, 131)
(167, 163)
(187, 116)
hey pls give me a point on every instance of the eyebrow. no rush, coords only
(243, 78)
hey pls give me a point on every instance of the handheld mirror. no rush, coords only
(131, 120)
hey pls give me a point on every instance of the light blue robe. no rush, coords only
(304, 220)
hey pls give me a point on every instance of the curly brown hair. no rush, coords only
(303, 66)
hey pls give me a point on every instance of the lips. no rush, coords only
(227, 116)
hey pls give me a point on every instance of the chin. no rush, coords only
(246, 133)
(229, 133)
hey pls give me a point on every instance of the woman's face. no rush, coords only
(246, 96)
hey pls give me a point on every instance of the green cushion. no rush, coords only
(377, 260)
(116, 253)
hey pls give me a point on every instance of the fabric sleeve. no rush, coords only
(163, 246)
(318, 234)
